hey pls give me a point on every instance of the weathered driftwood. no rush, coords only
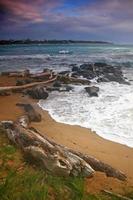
(22, 87)
(54, 158)
(98, 165)
(67, 80)
(115, 195)
(57, 158)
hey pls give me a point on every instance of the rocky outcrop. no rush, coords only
(30, 113)
(102, 71)
(71, 80)
(37, 93)
(92, 91)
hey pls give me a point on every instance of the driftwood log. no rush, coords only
(30, 85)
(56, 158)
(116, 195)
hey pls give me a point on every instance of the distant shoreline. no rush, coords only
(28, 41)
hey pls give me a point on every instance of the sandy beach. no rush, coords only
(79, 139)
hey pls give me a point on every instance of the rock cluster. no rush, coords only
(37, 93)
(102, 71)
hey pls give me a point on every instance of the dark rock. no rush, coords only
(31, 112)
(68, 88)
(37, 93)
(75, 69)
(7, 124)
(64, 72)
(51, 89)
(57, 84)
(4, 93)
(5, 73)
(27, 81)
(19, 82)
(100, 64)
(92, 91)
(86, 66)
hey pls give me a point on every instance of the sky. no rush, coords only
(105, 20)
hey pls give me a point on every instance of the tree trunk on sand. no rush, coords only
(56, 158)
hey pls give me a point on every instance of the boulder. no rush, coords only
(33, 116)
(75, 69)
(19, 82)
(37, 93)
(92, 91)
(86, 66)
(57, 84)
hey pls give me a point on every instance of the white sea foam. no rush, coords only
(38, 56)
(110, 115)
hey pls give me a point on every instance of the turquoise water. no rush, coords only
(59, 57)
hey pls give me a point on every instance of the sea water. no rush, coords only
(110, 114)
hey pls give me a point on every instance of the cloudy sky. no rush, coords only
(108, 20)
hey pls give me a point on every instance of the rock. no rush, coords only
(33, 116)
(51, 89)
(4, 93)
(5, 73)
(64, 72)
(7, 124)
(37, 93)
(92, 91)
(75, 69)
(102, 71)
(72, 80)
(68, 88)
(19, 82)
(86, 66)
(57, 84)
(100, 64)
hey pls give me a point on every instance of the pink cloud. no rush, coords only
(32, 11)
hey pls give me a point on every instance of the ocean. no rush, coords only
(110, 114)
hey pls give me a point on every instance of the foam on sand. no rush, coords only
(110, 115)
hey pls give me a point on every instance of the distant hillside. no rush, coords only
(28, 41)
